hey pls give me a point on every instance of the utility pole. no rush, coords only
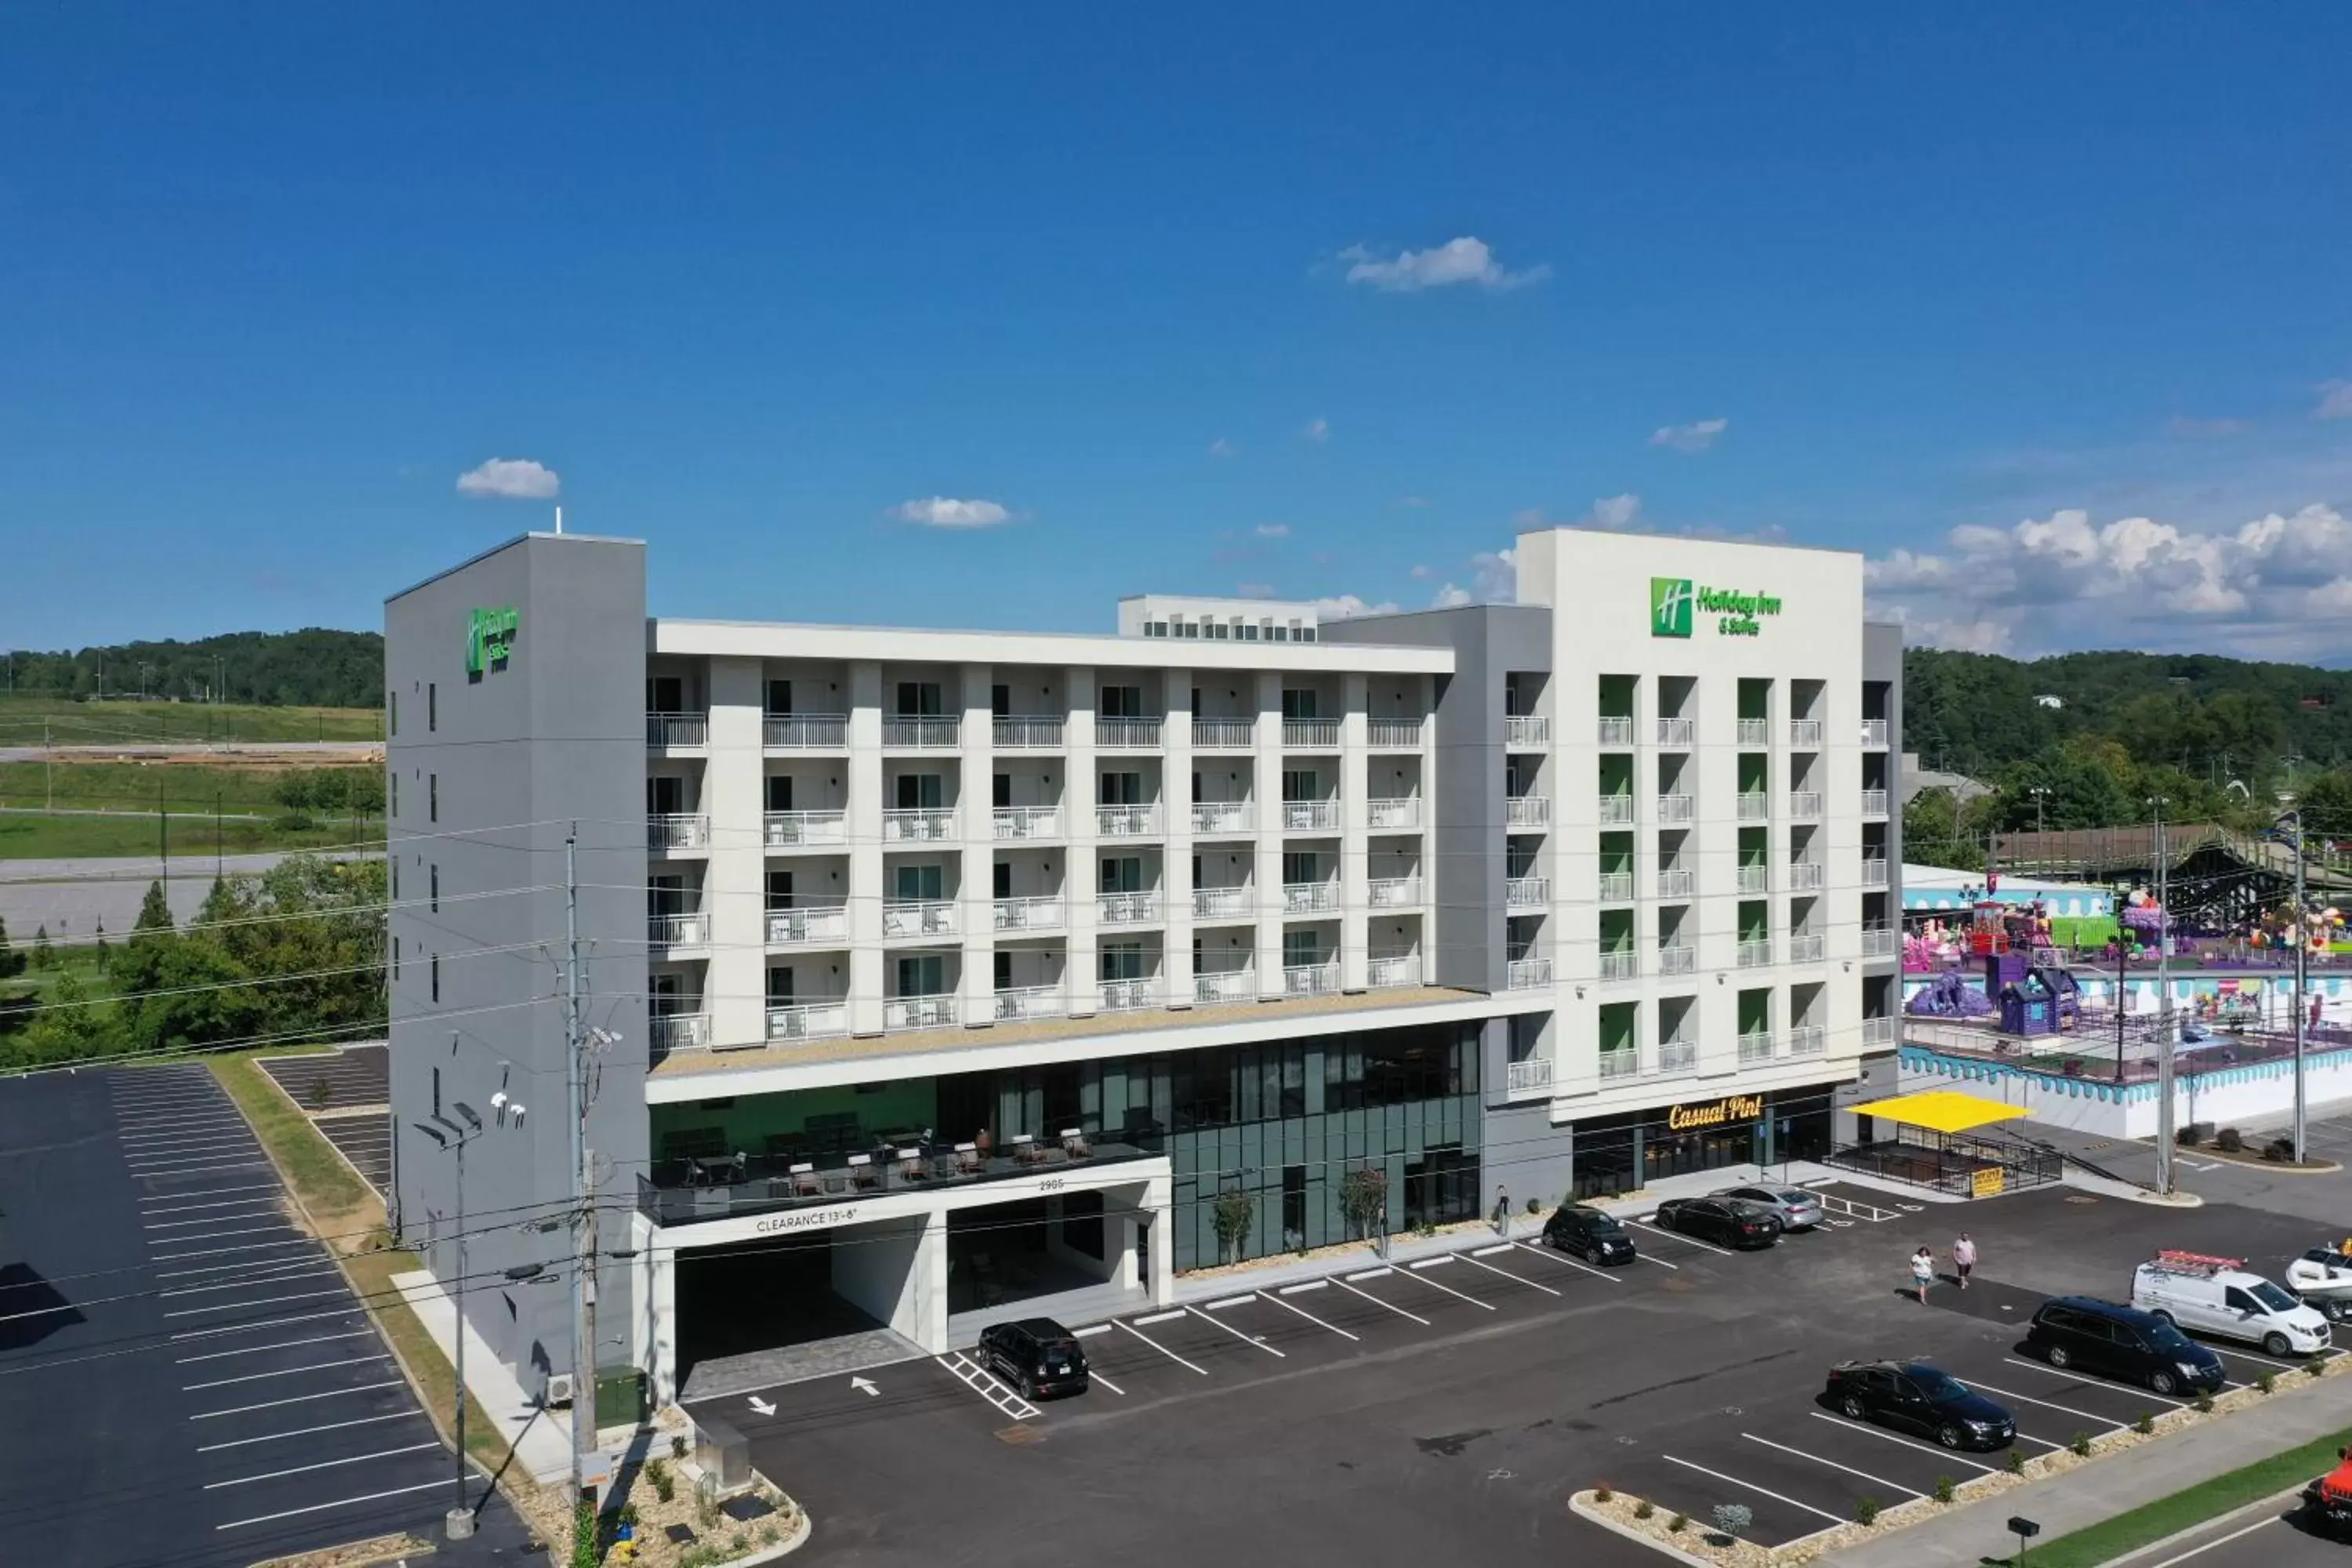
(584, 1192)
(2040, 795)
(2164, 1064)
(2300, 936)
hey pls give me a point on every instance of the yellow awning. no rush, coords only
(1942, 1111)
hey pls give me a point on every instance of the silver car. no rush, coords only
(1798, 1209)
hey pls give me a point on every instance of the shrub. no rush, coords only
(2187, 1137)
(2016, 1461)
(1642, 1510)
(1733, 1518)
(1603, 1492)
(1679, 1524)
(628, 1515)
(678, 1447)
(2316, 1365)
(1233, 1214)
(2144, 1425)
(2279, 1150)
(657, 1474)
(1945, 1488)
(1533, 1206)
(294, 822)
(1865, 1509)
(584, 1536)
(2267, 1382)
(2229, 1141)
(2081, 1443)
(2204, 1405)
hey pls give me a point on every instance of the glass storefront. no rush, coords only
(1611, 1154)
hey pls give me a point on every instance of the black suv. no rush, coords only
(1036, 1355)
(1926, 1399)
(1590, 1234)
(2122, 1342)
(1727, 1221)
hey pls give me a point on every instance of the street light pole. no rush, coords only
(2297, 934)
(453, 1137)
(2164, 1063)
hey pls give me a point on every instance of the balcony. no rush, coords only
(1874, 803)
(1673, 808)
(1614, 888)
(677, 831)
(793, 829)
(1311, 817)
(1878, 941)
(1873, 871)
(1616, 810)
(808, 925)
(1221, 816)
(681, 1031)
(679, 931)
(1127, 909)
(1392, 892)
(1127, 996)
(1678, 1055)
(1805, 806)
(1808, 947)
(1673, 731)
(1755, 806)
(1017, 1003)
(1806, 876)
(1873, 733)
(1805, 734)
(929, 732)
(1526, 973)
(1808, 1040)
(1310, 979)
(677, 729)
(1878, 1031)
(1756, 953)
(918, 917)
(1681, 959)
(1756, 1047)
(1529, 1079)
(1309, 898)
(1527, 811)
(1395, 734)
(1310, 733)
(1526, 732)
(808, 1021)
(1755, 877)
(1221, 903)
(1392, 814)
(1755, 731)
(1384, 973)
(1527, 893)
(930, 825)
(1224, 735)
(1038, 911)
(1127, 734)
(1126, 821)
(1026, 821)
(1225, 985)
(1677, 882)
(805, 731)
(1614, 730)
(1027, 733)
(1623, 963)
(918, 1012)
(1625, 1062)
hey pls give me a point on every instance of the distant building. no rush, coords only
(2047, 700)
(1915, 778)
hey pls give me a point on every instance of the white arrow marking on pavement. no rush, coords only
(865, 1387)
(761, 1406)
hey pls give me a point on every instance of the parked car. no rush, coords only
(2328, 1501)
(1036, 1355)
(1727, 1221)
(2115, 1341)
(1798, 1209)
(1920, 1398)
(2207, 1296)
(1591, 1233)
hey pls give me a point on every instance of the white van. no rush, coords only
(2215, 1296)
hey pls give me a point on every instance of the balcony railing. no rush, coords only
(1527, 893)
(918, 917)
(1221, 903)
(1525, 973)
(1225, 985)
(1677, 882)
(1016, 1003)
(1878, 1031)
(677, 728)
(1310, 731)
(1755, 878)
(1392, 892)
(1808, 1040)
(1037, 912)
(1224, 735)
(1309, 898)
(1126, 734)
(808, 1021)
(677, 831)
(1755, 806)
(1622, 964)
(1310, 816)
(1614, 888)
(1623, 1062)
(1526, 731)
(1392, 814)
(918, 1012)
(1026, 732)
(789, 829)
(1126, 821)
(1874, 803)
(1808, 947)
(1026, 821)
(929, 732)
(1527, 811)
(928, 826)
(1673, 731)
(1873, 871)
(1385, 971)
(1756, 732)
(805, 731)
(1310, 979)
(1680, 959)
(1678, 1055)
(1126, 909)
(1614, 730)
(1805, 806)
(1221, 816)
(1756, 1047)
(1878, 941)
(680, 1031)
(1528, 1079)
(827, 1178)
(1616, 810)
(1873, 733)
(679, 931)
(1395, 734)
(1805, 734)
(1127, 996)
(806, 925)
(1673, 808)
(1806, 876)
(1756, 954)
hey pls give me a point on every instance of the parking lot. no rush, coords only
(1479, 1388)
(346, 1092)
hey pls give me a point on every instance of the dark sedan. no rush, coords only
(1036, 1355)
(1916, 1397)
(1726, 1222)
(1591, 1233)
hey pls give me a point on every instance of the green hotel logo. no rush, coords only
(489, 639)
(1675, 602)
(1670, 606)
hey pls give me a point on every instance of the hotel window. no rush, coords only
(1277, 634)
(433, 798)
(431, 706)
(918, 700)
(436, 889)
(391, 711)
(1120, 703)
(396, 958)
(437, 977)
(780, 697)
(391, 793)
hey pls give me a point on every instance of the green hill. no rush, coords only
(314, 668)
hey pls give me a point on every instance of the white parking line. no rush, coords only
(1164, 1349)
(985, 1383)
(241, 1306)
(344, 1502)
(197, 1171)
(1310, 1317)
(1426, 1280)
(1832, 1464)
(2264, 1360)
(182, 1155)
(254, 1266)
(1090, 1331)
(1752, 1487)
(1519, 1278)
(1392, 1306)
(264, 1324)
(215, 1203)
(1230, 1301)
(1303, 1285)
(1551, 1256)
(226, 1126)
(283, 1371)
(216, 1192)
(1676, 1236)
(299, 1399)
(224, 1251)
(1245, 1339)
(1096, 1377)
(2050, 1405)
(1895, 1437)
(265, 1207)
(250, 1284)
(216, 1235)
(284, 1345)
(307, 1431)
(2118, 1388)
(1162, 1316)
(1372, 1273)
(2223, 1540)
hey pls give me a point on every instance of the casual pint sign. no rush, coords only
(1730, 1109)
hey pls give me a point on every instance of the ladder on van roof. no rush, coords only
(2204, 1265)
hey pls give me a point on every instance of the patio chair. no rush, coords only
(1075, 1144)
(967, 1159)
(910, 1166)
(862, 1173)
(805, 1184)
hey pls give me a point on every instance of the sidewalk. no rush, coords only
(2097, 1491)
(542, 1439)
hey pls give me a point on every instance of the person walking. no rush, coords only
(1923, 1272)
(1964, 1258)
(1502, 1212)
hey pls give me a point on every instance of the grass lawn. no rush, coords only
(72, 723)
(81, 963)
(138, 786)
(36, 835)
(2111, 1537)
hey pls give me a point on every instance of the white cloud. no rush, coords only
(510, 479)
(2335, 400)
(1420, 572)
(1317, 430)
(1450, 597)
(1495, 576)
(1271, 531)
(1344, 606)
(1696, 436)
(943, 511)
(1464, 261)
(1255, 590)
(1613, 511)
(1221, 448)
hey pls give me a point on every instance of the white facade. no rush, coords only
(1184, 617)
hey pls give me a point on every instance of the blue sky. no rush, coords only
(2042, 310)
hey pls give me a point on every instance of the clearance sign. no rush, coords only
(1724, 1112)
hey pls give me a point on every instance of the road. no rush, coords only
(72, 897)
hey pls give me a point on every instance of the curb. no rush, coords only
(1582, 1509)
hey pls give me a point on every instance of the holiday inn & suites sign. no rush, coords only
(489, 639)
(1676, 602)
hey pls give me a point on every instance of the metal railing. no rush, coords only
(1392, 892)
(1126, 909)
(677, 728)
(1755, 806)
(1224, 735)
(1756, 954)
(1805, 806)
(1879, 1031)
(1529, 1078)
(1394, 734)
(1680, 959)
(1036, 911)
(1874, 803)
(680, 830)
(1678, 1055)
(930, 732)
(1805, 733)
(679, 931)
(1126, 821)
(1616, 810)
(1624, 964)
(808, 1021)
(918, 1012)
(1624, 1062)
(1017, 1002)
(917, 917)
(928, 826)
(785, 829)
(1755, 731)
(1385, 971)
(1310, 979)
(804, 925)
(1221, 903)
(1026, 821)
(1225, 985)
(1677, 882)
(1673, 808)
(805, 731)
(1527, 811)
(1527, 731)
(1808, 1040)
(1873, 871)
(1221, 816)
(1756, 1047)
(1878, 941)
(1024, 732)
(1613, 730)
(1310, 731)
(1808, 947)
(1526, 892)
(1673, 731)
(1127, 996)
(1755, 878)
(1125, 733)
(1310, 816)
(1390, 814)
(1873, 732)
(680, 1031)
(1309, 898)
(1806, 876)
(1614, 888)
(1524, 974)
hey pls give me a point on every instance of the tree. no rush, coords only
(1364, 1200)
(1233, 1214)
(12, 963)
(42, 956)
